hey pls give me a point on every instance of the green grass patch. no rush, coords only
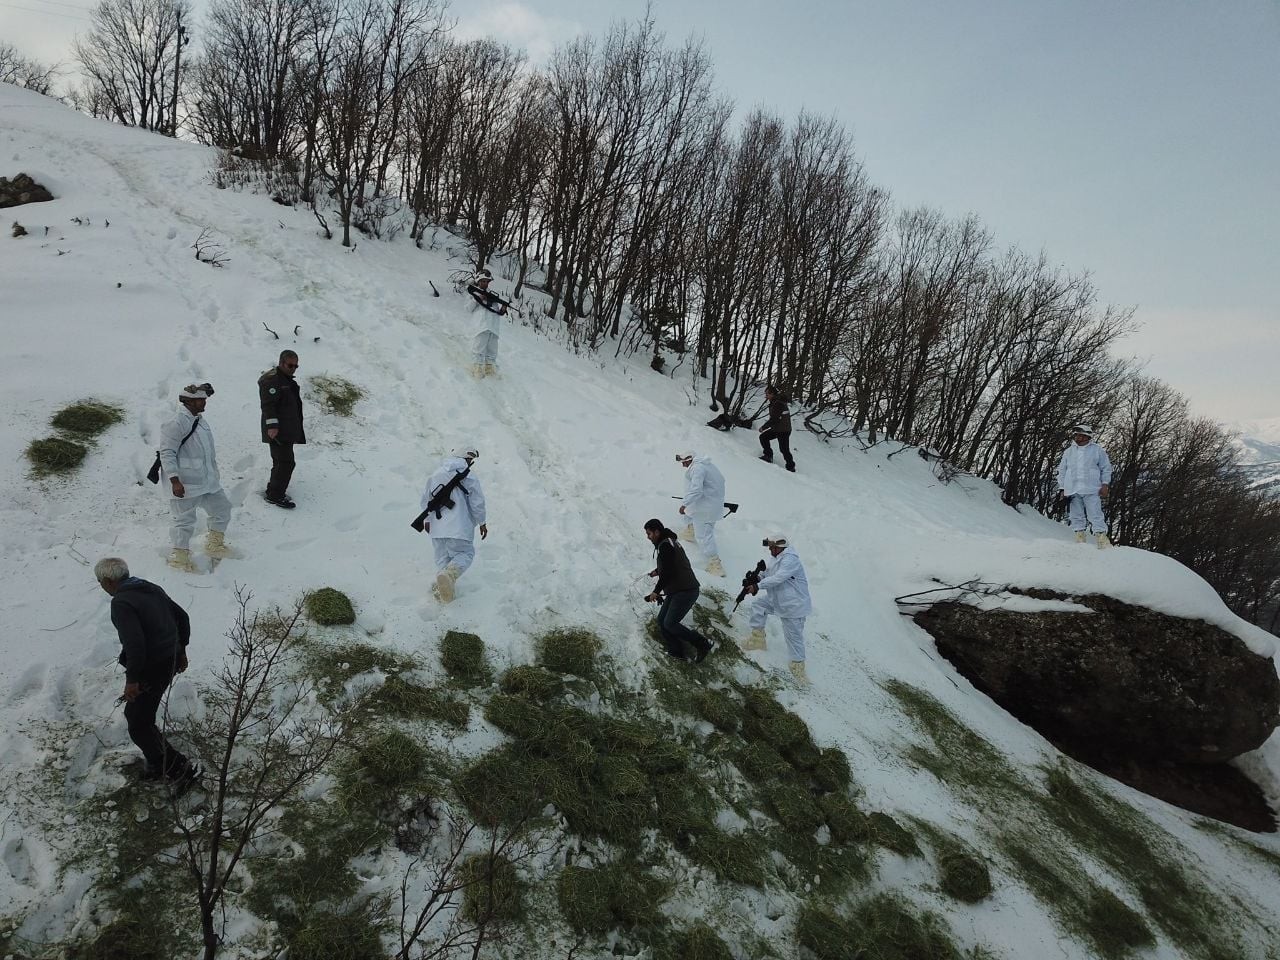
(617, 896)
(963, 876)
(131, 937)
(398, 697)
(379, 771)
(53, 455)
(329, 607)
(569, 651)
(329, 935)
(882, 928)
(831, 772)
(536, 683)
(87, 418)
(336, 395)
(462, 655)
(762, 764)
(735, 858)
(493, 892)
(846, 822)
(889, 833)
(828, 870)
(793, 806)
(719, 709)
(700, 942)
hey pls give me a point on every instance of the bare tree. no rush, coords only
(24, 72)
(130, 58)
(265, 743)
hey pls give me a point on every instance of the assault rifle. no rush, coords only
(440, 500)
(487, 299)
(729, 507)
(750, 580)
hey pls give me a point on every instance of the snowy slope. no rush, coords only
(576, 453)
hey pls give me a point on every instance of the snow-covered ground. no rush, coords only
(576, 453)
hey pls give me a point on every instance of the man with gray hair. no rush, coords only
(189, 460)
(453, 504)
(154, 633)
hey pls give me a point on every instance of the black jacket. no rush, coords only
(675, 575)
(281, 406)
(153, 629)
(779, 414)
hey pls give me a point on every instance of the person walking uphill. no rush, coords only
(677, 591)
(492, 308)
(703, 501)
(457, 507)
(777, 427)
(788, 598)
(188, 459)
(281, 424)
(154, 633)
(1084, 475)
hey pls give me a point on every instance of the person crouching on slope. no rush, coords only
(1084, 475)
(703, 501)
(787, 587)
(677, 590)
(452, 523)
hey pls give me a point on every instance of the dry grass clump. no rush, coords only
(329, 607)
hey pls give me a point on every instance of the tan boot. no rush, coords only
(756, 641)
(798, 674)
(1079, 536)
(490, 369)
(445, 582)
(215, 545)
(180, 559)
(1103, 541)
(687, 533)
(715, 567)
(477, 371)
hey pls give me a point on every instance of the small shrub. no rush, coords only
(569, 651)
(964, 876)
(700, 942)
(532, 682)
(329, 607)
(87, 418)
(737, 859)
(332, 936)
(619, 895)
(335, 394)
(51, 455)
(888, 833)
(793, 806)
(493, 891)
(847, 823)
(462, 655)
(718, 709)
(832, 772)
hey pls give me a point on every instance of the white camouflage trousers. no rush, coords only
(484, 348)
(183, 511)
(792, 627)
(1087, 506)
(453, 550)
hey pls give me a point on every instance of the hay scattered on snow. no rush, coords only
(462, 655)
(329, 607)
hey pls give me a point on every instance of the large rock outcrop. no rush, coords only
(22, 189)
(1121, 680)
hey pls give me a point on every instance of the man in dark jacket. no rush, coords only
(281, 424)
(777, 427)
(677, 590)
(154, 633)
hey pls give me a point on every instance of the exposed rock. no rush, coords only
(1124, 680)
(22, 189)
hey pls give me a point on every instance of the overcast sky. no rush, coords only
(1137, 140)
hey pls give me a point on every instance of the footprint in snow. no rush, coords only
(349, 523)
(31, 681)
(17, 861)
(294, 545)
(243, 463)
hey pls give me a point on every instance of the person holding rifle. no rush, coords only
(485, 342)
(677, 591)
(453, 506)
(787, 596)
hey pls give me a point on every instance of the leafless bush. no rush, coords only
(210, 251)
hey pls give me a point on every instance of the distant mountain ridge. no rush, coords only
(1258, 446)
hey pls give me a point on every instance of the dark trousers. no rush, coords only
(784, 444)
(282, 463)
(674, 609)
(140, 714)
